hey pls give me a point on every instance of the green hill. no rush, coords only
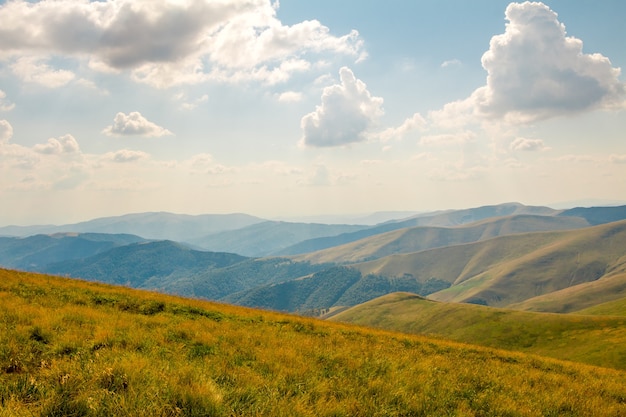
(596, 340)
(72, 348)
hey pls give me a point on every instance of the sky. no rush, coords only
(301, 108)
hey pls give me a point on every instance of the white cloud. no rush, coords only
(346, 114)
(4, 105)
(525, 144)
(54, 146)
(33, 70)
(125, 155)
(6, 131)
(537, 72)
(134, 124)
(168, 42)
(289, 97)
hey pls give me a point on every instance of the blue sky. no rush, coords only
(307, 108)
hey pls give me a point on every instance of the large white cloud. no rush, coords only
(536, 72)
(346, 114)
(166, 42)
(134, 124)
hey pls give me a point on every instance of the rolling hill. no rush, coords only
(597, 340)
(71, 348)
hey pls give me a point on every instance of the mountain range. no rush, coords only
(509, 255)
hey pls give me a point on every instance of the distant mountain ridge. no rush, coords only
(157, 225)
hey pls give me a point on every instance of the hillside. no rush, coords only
(85, 349)
(596, 340)
(420, 238)
(511, 269)
(597, 215)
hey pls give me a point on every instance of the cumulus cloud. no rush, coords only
(6, 131)
(4, 105)
(125, 155)
(134, 123)
(525, 144)
(57, 146)
(346, 114)
(167, 42)
(537, 72)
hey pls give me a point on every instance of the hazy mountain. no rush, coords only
(597, 215)
(414, 239)
(268, 238)
(34, 252)
(359, 219)
(163, 226)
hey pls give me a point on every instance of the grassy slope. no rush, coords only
(75, 348)
(510, 269)
(597, 340)
(420, 238)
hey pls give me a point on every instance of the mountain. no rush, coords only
(76, 348)
(563, 336)
(511, 269)
(143, 265)
(161, 225)
(268, 238)
(34, 252)
(414, 239)
(597, 215)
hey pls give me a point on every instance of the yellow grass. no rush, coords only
(71, 348)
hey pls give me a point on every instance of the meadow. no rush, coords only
(75, 348)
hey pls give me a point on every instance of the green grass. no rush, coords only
(596, 340)
(71, 348)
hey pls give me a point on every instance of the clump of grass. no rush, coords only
(193, 358)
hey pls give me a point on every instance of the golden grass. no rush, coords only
(71, 348)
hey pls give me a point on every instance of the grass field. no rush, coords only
(71, 348)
